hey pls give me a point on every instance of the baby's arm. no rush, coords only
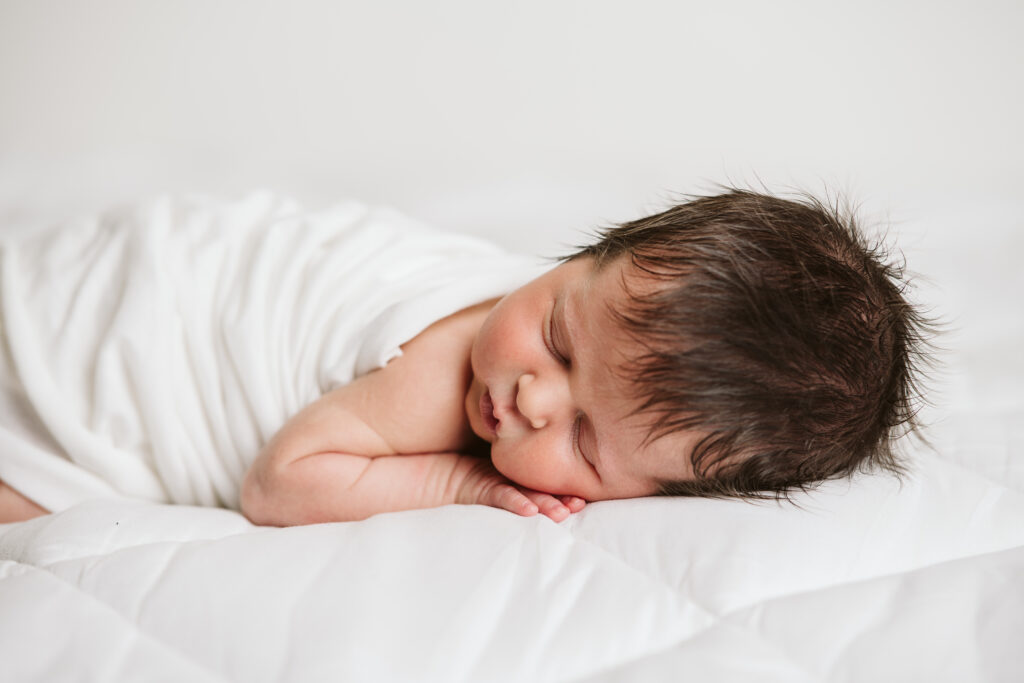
(387, 441)
(302, 478)
(340, 487)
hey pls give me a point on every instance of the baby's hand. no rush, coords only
(484, 485)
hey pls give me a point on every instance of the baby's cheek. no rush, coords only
(531, 465)
(513, 465)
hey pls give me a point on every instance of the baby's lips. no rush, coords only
(487, 412)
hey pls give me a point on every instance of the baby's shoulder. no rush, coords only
(418, 398)
(450, 337)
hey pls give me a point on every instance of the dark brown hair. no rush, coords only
(777, 332)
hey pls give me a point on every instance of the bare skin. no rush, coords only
(394, 439)
(15, 507)
(531, 380)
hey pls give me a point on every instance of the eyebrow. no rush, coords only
(563, 322)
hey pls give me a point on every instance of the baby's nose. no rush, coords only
(529, 401)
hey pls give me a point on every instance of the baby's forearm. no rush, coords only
(335, 487)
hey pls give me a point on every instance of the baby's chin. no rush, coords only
(516, 477)
(498, 465)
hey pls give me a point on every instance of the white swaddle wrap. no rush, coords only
(151, 352)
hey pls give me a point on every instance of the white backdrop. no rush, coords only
(526, 120)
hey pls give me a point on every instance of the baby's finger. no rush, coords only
(574, 503)
(549, 505)
(512, 499)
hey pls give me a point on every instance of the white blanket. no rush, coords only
(869, 582)
(151, 351)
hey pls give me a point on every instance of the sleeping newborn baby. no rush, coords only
(736, 345)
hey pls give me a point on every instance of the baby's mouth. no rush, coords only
(487, 413)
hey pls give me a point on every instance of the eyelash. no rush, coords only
(577, 423)
(549, 341)
(577, 428)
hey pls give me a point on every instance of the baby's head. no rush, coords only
(734, 345)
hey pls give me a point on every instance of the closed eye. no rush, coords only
(549, 338)
(576, 436)
(577, 446)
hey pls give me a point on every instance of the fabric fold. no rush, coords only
(159, 347)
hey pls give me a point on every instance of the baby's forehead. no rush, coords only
(609, 294)
(596, 312)
(619, 283)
